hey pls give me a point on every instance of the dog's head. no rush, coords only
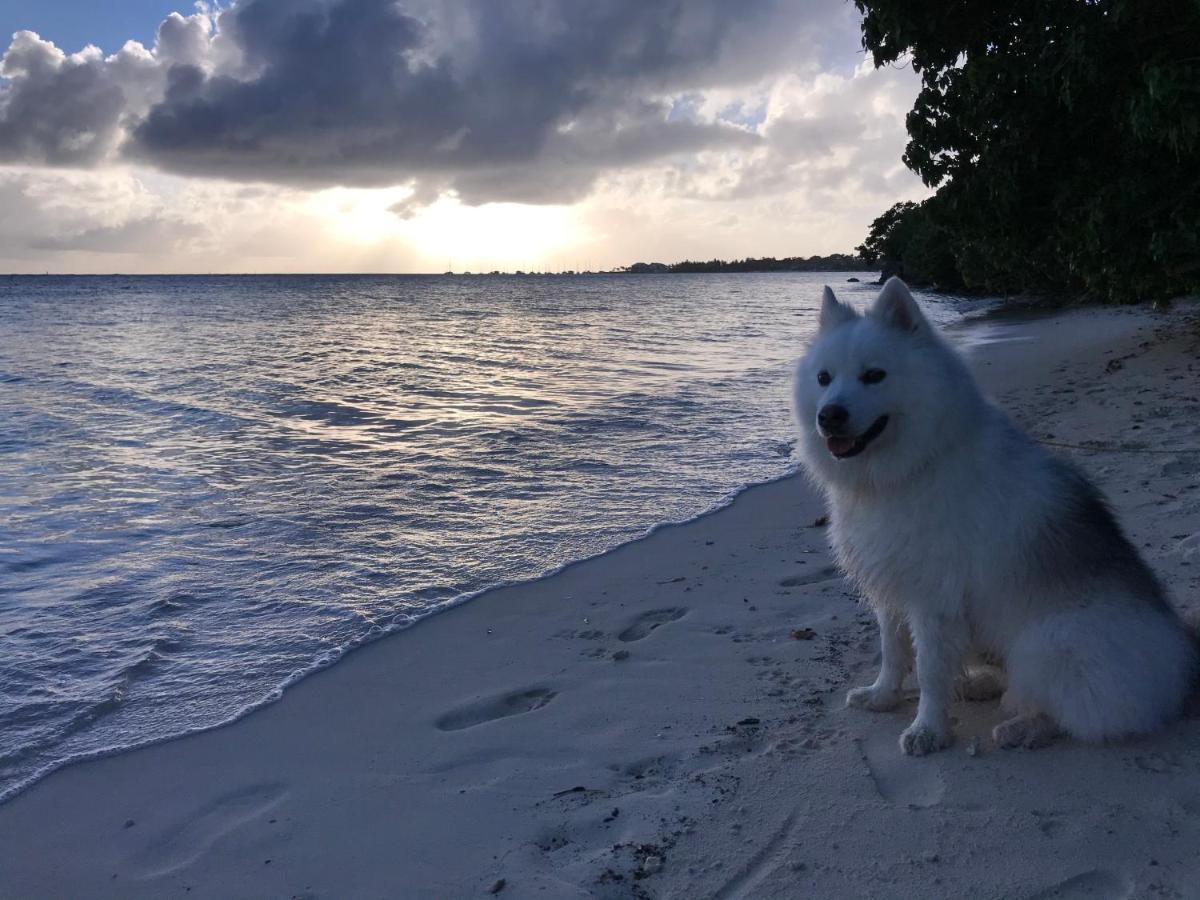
(874, 390)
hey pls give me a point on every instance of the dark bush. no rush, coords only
(1062, 136)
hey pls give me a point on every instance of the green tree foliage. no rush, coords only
(910, 235)
(890, 233)
(1062, 136)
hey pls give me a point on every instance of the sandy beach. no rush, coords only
(667, 720)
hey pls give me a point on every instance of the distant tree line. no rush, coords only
(1063, 140)
(838, 262)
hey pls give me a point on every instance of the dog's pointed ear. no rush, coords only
(834, 311)
(896, 307)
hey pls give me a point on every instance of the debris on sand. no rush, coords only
(578, 789)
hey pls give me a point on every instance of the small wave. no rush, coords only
(584, 465)
(226, 523)
(390, 423)
(175, 602)
(86, 715)
(16, 567)
(329, 413)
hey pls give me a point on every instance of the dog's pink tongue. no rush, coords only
(839, 445)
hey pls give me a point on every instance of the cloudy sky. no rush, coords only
(408, 135)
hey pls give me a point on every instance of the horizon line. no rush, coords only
(520, 273)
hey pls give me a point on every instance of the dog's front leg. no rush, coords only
(895, 644)
(941, 642)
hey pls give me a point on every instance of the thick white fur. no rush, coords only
(938, 522)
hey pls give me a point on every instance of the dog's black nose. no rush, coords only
(833, 417)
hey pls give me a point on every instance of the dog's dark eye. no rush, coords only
(872, 376)
(823, 378)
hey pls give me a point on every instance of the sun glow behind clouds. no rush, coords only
(504, 236)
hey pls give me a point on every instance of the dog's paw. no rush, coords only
(873, 698)
(980, 685)
(920, 739)
(1027, 732)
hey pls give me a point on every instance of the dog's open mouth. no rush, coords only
(844, 446)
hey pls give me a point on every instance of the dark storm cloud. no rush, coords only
(364, 92)
(516, 100)
(56, 110)
(68, 110)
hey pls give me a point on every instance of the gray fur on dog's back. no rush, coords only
(1083, 543)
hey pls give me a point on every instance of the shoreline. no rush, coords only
(359, 508)
(365, 640)
(646, 723)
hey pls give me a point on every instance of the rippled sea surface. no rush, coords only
(210, 486)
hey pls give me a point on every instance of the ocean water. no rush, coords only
(210, 486)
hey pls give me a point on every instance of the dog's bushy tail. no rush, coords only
(1191, 621)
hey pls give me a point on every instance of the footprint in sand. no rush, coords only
(901, 779)
(1189, 802)
(1158, 763)
(1183, 466)
(187, 842)
(760, 866)
(494, 708)
(825, 573)
(648, 621)
(1096, 883)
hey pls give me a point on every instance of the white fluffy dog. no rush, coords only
(968, 538)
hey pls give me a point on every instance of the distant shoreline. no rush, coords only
(666, 270)
(837, 262)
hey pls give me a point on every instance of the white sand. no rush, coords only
(506, 740)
